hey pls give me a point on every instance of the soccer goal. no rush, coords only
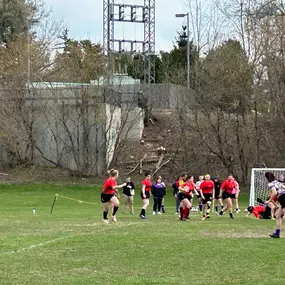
(258, 184)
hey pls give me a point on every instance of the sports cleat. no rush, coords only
(159, 213)
(114, 219)
(143, 217)
(237, 211)
(274, 235)
(203, 218)
(106, 221)
(153, 212)
(231, 216)
(207, 217)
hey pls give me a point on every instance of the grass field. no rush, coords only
(73, 246)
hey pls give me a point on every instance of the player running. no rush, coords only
(185, 196)
(227, 193)
(198, 183)
(236, 192)
(145, 194)
(206, 190)
(218, 201)
(277, 189)
(108, 195)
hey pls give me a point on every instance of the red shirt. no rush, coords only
(228, 186)
(258, 210)
(207, 186)
(147, 184)
(191, 187)
(108, 186)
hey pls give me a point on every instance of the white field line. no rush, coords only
(62, 238)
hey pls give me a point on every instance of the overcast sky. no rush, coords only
(84, 18)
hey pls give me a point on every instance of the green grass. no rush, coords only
(73, 246)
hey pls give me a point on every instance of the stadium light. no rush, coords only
(188, 45)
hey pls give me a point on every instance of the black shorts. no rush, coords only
(267, 213)
(217, 194)
(226, 195)
(208, 197)
(147, 195)
(105, 198)
(183, 196)
(281, 200)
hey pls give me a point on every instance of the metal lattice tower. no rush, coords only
(143, 14)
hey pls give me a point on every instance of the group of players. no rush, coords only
(207, 191)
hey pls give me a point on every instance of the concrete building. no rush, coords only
(78, 126)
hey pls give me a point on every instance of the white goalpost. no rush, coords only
(258, 183)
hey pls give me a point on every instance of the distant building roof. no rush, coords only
(117, 79)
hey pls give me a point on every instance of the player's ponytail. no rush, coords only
(113, 172)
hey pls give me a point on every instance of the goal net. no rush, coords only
(258, 184)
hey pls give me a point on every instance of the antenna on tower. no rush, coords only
(130, 14)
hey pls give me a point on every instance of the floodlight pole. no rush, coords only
(188, 45)
(29, 23)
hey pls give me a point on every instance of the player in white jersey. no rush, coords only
(278, 189)
(198, 183)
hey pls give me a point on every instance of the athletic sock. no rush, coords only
(187, 211)
(200, 207)
(216, 208)
(231, 215)
(221, 213)
(222, 207)
(277, 232)
(181, 211)
(105, 215)
(143, 212)
(162, 208)
(115, 210)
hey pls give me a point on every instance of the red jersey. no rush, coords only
(228, 186)
(207, 186)
(108, 186)
(257, 210)
(189, 189)
(147, 184)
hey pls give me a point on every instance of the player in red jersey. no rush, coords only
(260, 211)
(185, 196)
(108, 195)
(145, 194)
(227, 192)
(206, 189)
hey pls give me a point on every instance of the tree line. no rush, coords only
(233, 117)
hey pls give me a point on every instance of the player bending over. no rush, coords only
(260, 211)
